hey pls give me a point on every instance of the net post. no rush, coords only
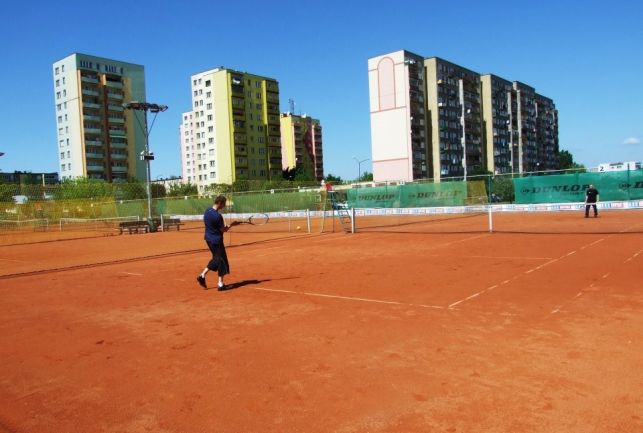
(490, 218)
(162, 223)
(353, 220)
(308, 219)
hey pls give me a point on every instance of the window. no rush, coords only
(57, 83)
(68, 155)
(258, 84)
(63, 80)
(211, 163)
(62, 167)
(207, 83)
(62, 68)
(209, 116)
(200, 91)
(210, 129)
(57, 95)
(194, 82)
(62, 155)
(209, 107)
(208, 95)
(213, 175)
(64, 92)
(57, 71)
(59, 107)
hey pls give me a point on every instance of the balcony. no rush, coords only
(95, 168)
(118, 145)
(118, 169)
(116, 120)
(91, 142)
(94, 155)
(114, 107)
(114, 84)
(90, 92)
(89, 79)
(115, 95)
(91, 105)
(117, 133)
(120, 156)
(96, 131)
(91, 117)
(240, 138)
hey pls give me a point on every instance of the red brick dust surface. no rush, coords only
(372, 332)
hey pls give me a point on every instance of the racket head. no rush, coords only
(259, 219)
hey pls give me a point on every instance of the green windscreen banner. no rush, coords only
(568, 188)
(411, 195)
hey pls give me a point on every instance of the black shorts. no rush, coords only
(219, 261)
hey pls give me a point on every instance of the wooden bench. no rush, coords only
(134, 227)
(168, 223)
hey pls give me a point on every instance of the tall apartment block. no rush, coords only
(233, 131)
(97, 139)
(399, 118)
(301, 144)
(454, 104)
(468, 122)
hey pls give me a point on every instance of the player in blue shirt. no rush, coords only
(214, 228)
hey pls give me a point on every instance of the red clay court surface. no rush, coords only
(372, 332)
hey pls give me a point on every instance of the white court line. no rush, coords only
(529, 271)
(131, 273)
(348, 298)
(633, 257)
(13, 260)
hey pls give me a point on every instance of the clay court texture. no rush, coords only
(431, 326)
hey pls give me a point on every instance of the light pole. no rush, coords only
(146, 155)
(359, 166)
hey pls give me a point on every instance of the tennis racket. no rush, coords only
(257, 219)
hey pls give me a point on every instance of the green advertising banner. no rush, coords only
(568, 188)
(410, 195)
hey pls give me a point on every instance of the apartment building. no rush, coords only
(96, 137)
(441, 120)
(301, 144)
(399, 119)
(454, 103)
(233, 131)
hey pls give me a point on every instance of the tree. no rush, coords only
(182, 189)
(366, 177)
(158, 190)
(566, 161)
(333, 179)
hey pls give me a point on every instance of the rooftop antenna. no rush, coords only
(291, 103)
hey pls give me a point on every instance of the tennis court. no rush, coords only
(385, 330)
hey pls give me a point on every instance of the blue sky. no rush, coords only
(585, 55)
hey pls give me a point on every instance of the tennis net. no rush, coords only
(559, 218)
(100, 225)
(38, 224)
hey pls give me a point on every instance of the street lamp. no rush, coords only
(359, 166)
(146, 155)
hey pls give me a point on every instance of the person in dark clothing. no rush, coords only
(591, 198)
(214, 228)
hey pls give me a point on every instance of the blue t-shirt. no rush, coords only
(214, 225)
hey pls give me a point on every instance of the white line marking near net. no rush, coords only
(529, 271)
(348, 298)
(132, 273)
